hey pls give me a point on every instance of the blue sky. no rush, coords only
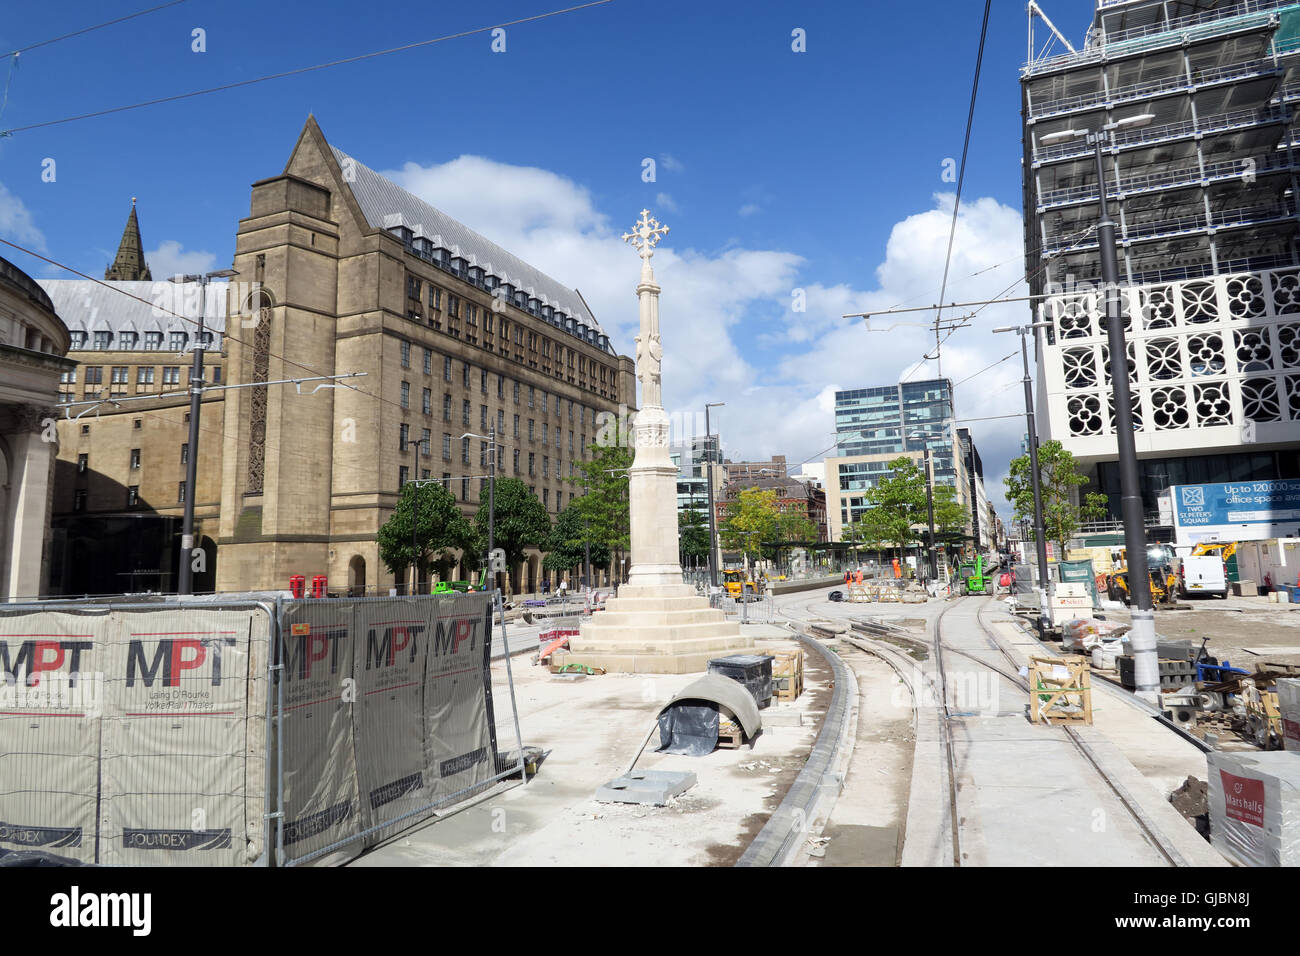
(776, 170)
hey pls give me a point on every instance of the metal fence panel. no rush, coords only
(410, 712)
(135, 734)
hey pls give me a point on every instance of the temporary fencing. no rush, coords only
(203, 733)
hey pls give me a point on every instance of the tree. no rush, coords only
(750, 519)
(693, 535)
(521, 520)
(895, 504)
(439, 528)
(566, 548)
(1059, 478)
(603, 505)
(795, 525)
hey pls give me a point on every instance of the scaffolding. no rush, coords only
(1209, 184)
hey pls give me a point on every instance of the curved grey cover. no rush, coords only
(727, 693)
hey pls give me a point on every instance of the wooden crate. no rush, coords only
(787, 668)
(1051, 690)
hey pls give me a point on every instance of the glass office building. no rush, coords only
(898, 419)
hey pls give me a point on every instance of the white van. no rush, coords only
(1203, 574)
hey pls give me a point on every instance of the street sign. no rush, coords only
(1235, 511)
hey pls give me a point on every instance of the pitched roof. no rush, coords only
(386, 204)
(89, 306)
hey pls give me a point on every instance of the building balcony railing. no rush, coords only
(1181, 226)
(1185, 129)
(1230, 72)
(1243, 15)
(1190, 175)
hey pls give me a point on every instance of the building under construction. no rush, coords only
(1195, 101)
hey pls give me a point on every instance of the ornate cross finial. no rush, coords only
(645, 235)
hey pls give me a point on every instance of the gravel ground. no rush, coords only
(1232, 626)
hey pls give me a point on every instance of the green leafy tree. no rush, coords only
(521, 520)
(895, 504)
(1059, 477)
(603, 477)
(439, 529)
(749, 520)
(566, 546)
(693, 535)
(795, 525)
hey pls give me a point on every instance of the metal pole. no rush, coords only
(1143, 635)
(1040, 533)
(929, 503)
(708, 450)
(185, 577)
(492, 501)
(586, 544)
(415, 545)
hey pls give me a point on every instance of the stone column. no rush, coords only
(31, 490)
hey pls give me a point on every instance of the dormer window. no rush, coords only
(176, 341)
(78, 341)
(128, 340)
(152, 341)
(102, 340)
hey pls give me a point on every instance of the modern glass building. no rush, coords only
(896, 420)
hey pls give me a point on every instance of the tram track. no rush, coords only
(1008, 669)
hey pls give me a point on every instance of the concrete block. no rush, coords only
(651, 787)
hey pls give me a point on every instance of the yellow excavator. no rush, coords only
(1160, 566)
(739, 586)
(1223, 549)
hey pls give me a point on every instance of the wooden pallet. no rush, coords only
(730, 734)
(1050, 690)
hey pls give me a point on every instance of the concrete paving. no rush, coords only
(1027, 796)
(591, 728)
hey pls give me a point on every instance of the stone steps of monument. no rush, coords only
(657, 617)
(640, 643)
(652, 663)
(630, 604)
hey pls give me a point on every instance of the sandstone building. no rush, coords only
(340, 271)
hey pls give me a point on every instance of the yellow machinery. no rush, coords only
(737, 582)
(1223, 549)
(1160, 566)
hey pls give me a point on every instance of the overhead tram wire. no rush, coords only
(184, 318)
(961, 177)
(301, 70)
(97, 26)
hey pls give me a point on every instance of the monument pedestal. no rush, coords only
(655, 629)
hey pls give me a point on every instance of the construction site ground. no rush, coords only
(1244, 630)
(590, 728)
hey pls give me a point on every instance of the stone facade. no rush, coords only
(308, 479)
(299, 480)
(33, 345)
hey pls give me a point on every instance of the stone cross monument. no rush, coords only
(653, 480)
(657, 624)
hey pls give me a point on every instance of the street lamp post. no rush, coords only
(713, 532)
(491, 439)
(1143, 635)
(1040, 533)
(929, 499)
(185, 575)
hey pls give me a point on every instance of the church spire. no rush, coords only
(129, 264)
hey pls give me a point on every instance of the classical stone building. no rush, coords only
(455, 335)
(33, 347)
(339, 271)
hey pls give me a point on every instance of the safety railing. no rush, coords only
(1147, 135)
(1189, 175)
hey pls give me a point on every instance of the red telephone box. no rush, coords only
(296, 583)
(319, 586)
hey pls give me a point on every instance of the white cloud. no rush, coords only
(729, 327)
(748, 209)
(672, 163)
(665, 201)
(171, 258)
(16, 221)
